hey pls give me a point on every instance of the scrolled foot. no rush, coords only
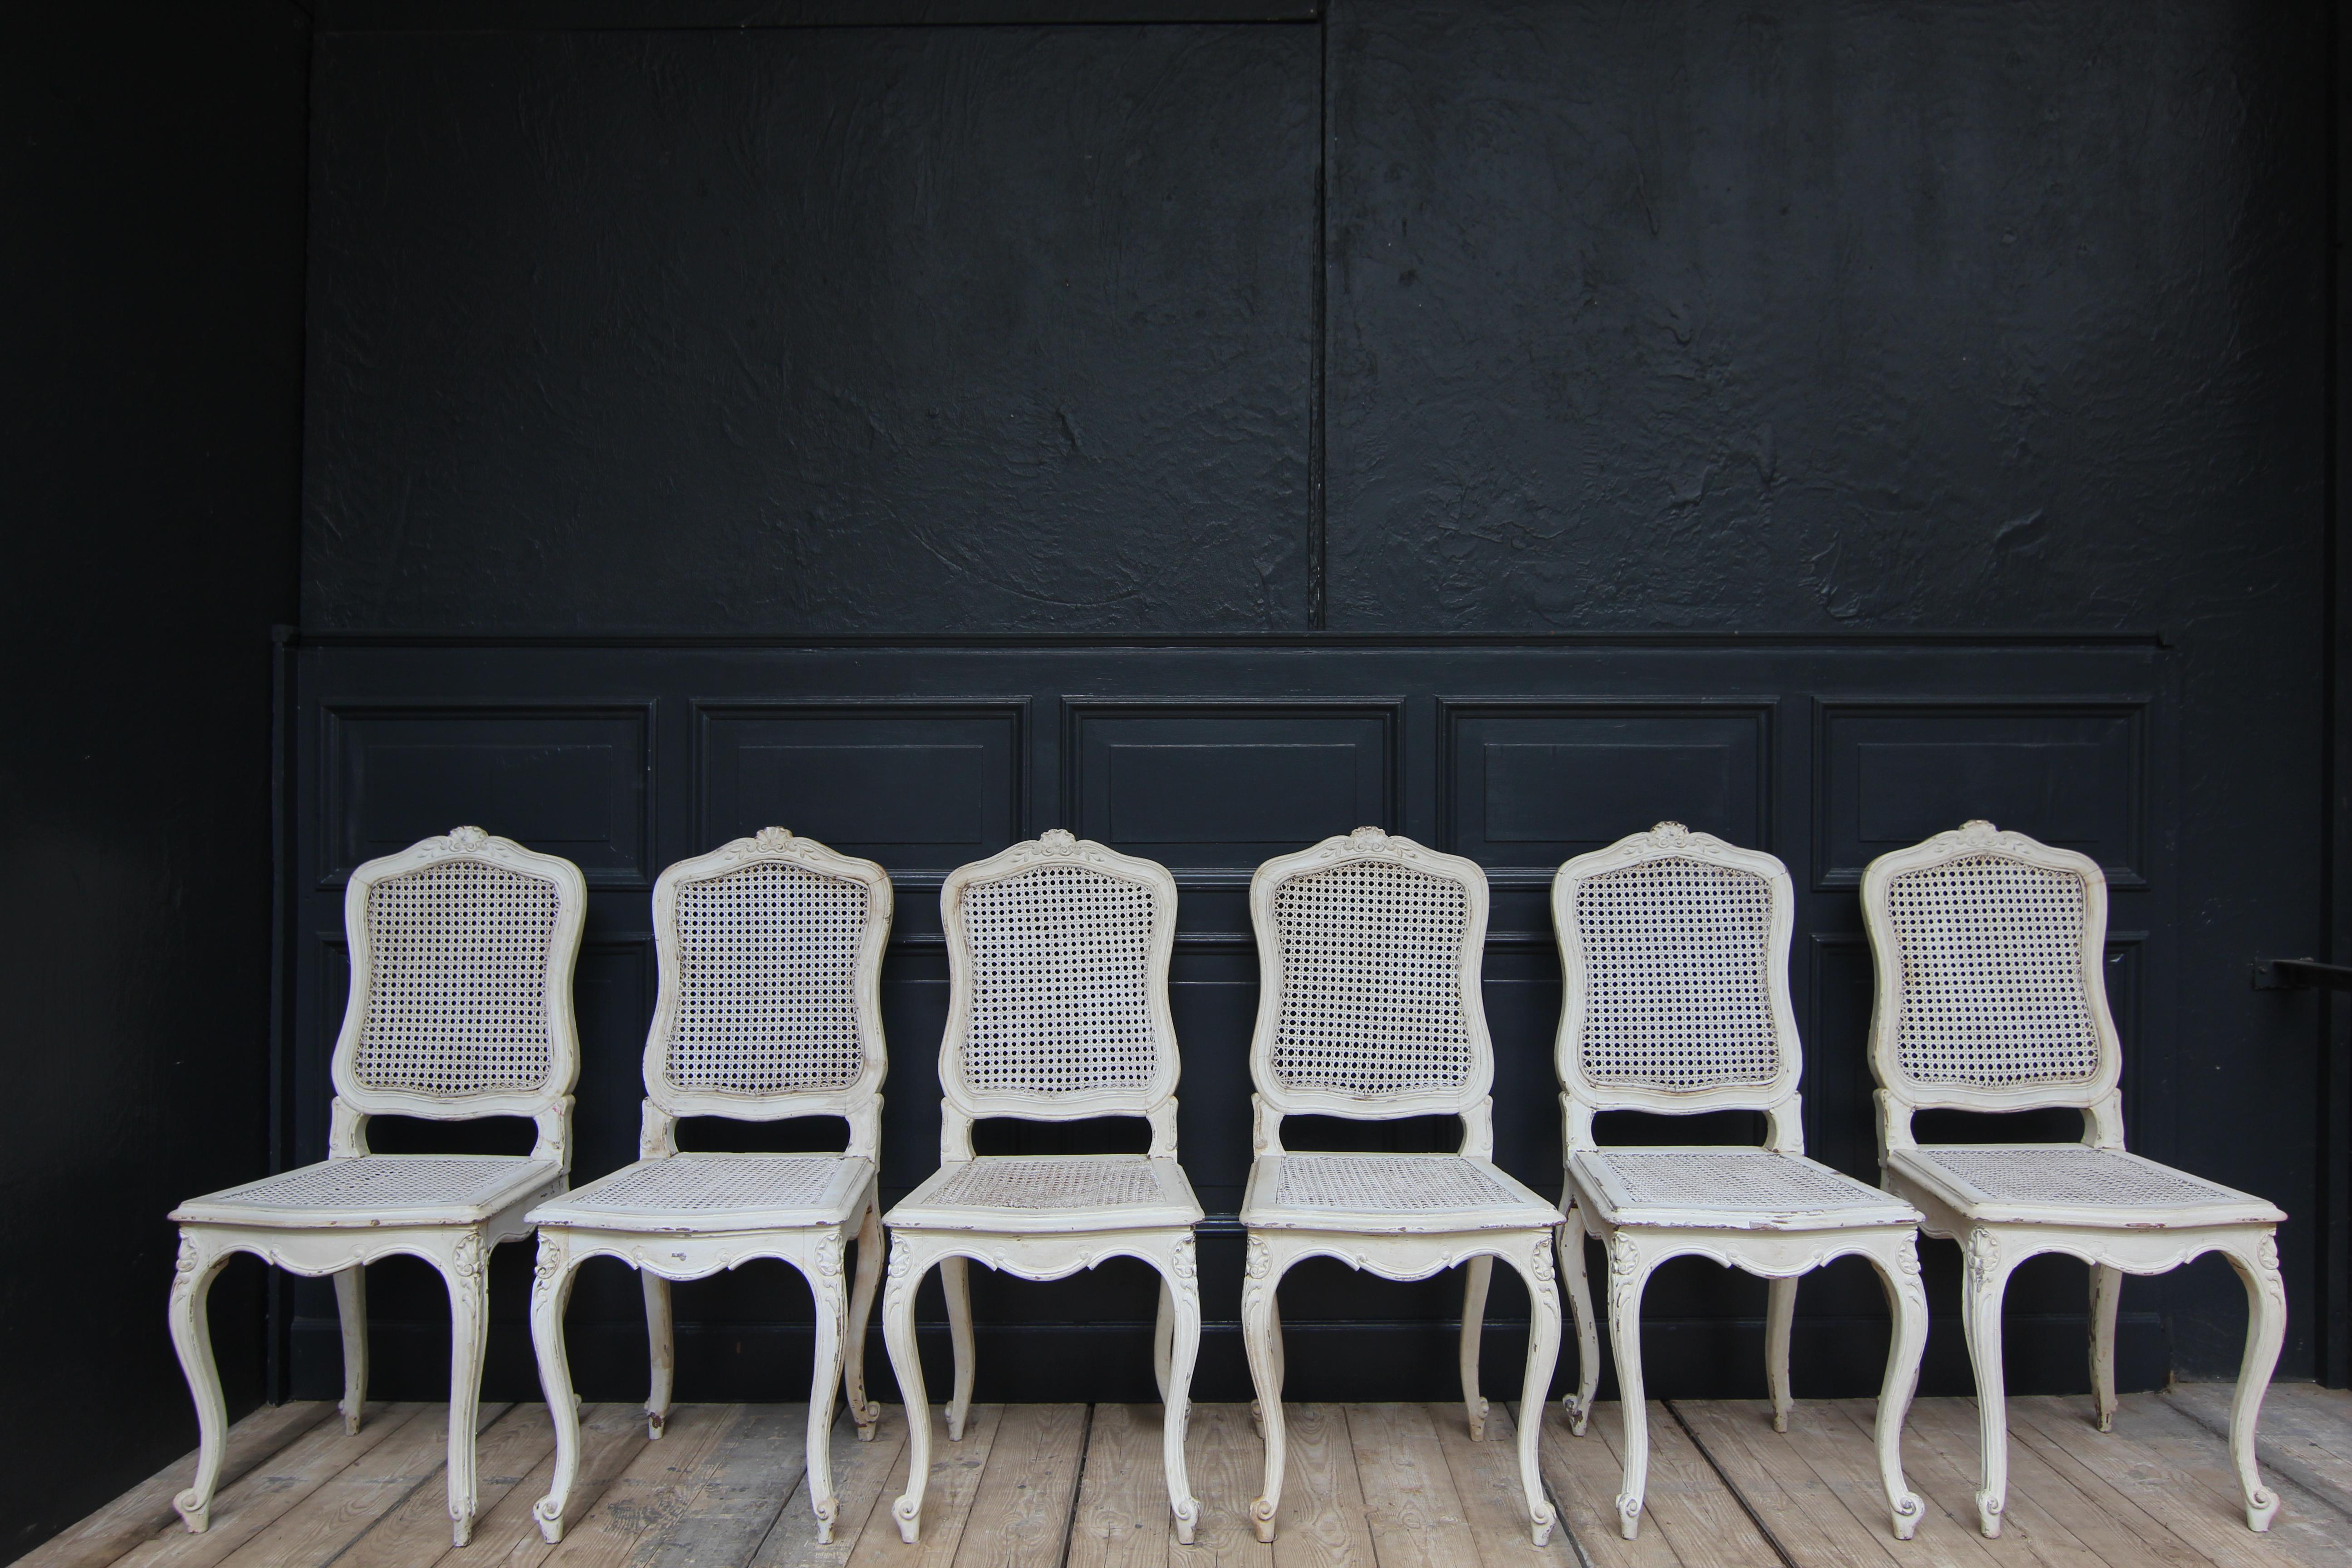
(655, 1421)
(869, 1421)
(1629, 1516)
(195, 1511)
(1188, 1516)
(955, 1426)
(1542, 1523)
(2261, 1508)
(826, 1514)
(2106, 1419)
(1781, 1421)
(461, 1529)
(1988, 1515)
(910, 1520)
(1580, 1414)
(1262, 1516)
(351, 1422)
(550, 1519)
(1908, 1514)
(1478, 1422)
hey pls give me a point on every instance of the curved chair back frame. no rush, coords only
(819, 1051)
(1370, 948)
(461, 956)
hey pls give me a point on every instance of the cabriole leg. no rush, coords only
(955, 1282)
(1180, 1289)
(1163, 1335)
(350, 1311)
(2266, 1328)
(2107, 1297)
(551, 1290)
(469, 1315)
(1779, 1315)
(832, 1324)
(898, 1336)
(1475, 1279)
(1573, 1279)
(1543, 1359)
(191, 1336)
(1261, 1330)
(865, 1412)
(661, 1347)
(1906, 1301)
(1981, 1294)
(1629, 1271)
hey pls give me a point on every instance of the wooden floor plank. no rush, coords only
(2033, 1537)
(1416, 1518)
(1494, 1500)
(650, 1495)
(270, 1489)
(1583, 1474)
(1020, 1517)
(2318, 1419)
(2058, 1434)
(1226, 1463)
(418, 1530)
(349, 1504)
(1688, 1504)
(145, 1511)
(1803, 1512)
(862, 1483)
(1122, 1510)
(1321, 1521)
(955, 1470)
(1845, 1457)
(753, 1474)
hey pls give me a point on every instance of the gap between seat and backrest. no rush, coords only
(461, 955)
(1674, 983)
(770, 950)
(1991, 995)
(1057, 963)
(1369, 949)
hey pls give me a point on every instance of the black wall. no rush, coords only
(1445, 321)
(150, 419)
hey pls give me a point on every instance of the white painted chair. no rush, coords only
(770, 1007)
(1370, 948)
(1990, 998)
(1674, 952)
(1057, 973)
(461, 954)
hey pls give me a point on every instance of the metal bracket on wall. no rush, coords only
(2301, 975)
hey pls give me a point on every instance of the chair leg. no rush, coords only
(2257, 1265)
(1179, 1297)
(469, 1313)
(1907, 1302)
(192, 1337)
(1779, 1314)
(1163, 1335)
(955, 1282)
(906, 1365)
(661, 1348)
(550, 1290)
(1543, 1359)
(831, 1294)
(1573, 1279)
(351, 1310)
(1475, 1279)
(1981, 1295)
(865, 1412)
(2107, 1297)
(1261, 1335)
(1629, 1271)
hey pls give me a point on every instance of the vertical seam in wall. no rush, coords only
(1317, 530)
(2335, 1345)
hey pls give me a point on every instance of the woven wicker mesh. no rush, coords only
(457, 1000)
(1380, 1183)
(1677, 957)
(697, 1183)
(767, 982)
(385, 1181)
(1736, 1179)
(2072, 1174)
(1061, 982)
(1993, 989)
(1371, 1003)
(1011, 1184)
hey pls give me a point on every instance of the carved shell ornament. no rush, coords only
(1669, 835)
(1368, 838)
(468, 839)
(772, 839)
(1059, 839)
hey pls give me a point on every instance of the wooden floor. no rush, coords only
(1372, 1486)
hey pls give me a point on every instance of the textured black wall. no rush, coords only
(1883, 318)
(149, 417)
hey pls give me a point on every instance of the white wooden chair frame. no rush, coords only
(679, 1241)
(2000, 1230)
(454, 1238)
(1515, 1225)
(1778, 1242)
(1041, 1242)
